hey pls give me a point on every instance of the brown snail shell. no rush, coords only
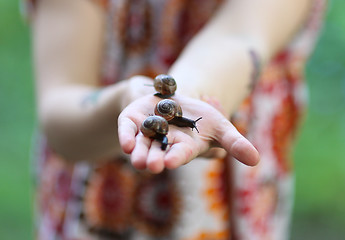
(172, 112)
(156, 127)
(168, 109)
(165, 85)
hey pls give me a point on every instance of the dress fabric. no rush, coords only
(205, 199)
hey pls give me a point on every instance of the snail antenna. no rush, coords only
(194, 124)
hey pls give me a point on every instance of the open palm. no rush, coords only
(184, 144)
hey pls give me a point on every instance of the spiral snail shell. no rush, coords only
(168, 109)
(172, 112)
(165, 85)
(156, 127)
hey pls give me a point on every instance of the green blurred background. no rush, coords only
(319, 211)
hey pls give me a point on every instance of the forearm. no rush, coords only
(78, 118)
(222, 71)
(80, 122)
(218, 62)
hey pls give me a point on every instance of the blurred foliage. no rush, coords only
(319, 156)
(320, 151)
(16, 124)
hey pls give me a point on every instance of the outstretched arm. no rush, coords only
(218, 64)
(78, 116)
(219, 61)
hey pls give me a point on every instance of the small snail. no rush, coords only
(156, 127)
(172, 112)
(165, 85)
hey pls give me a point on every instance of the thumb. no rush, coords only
(237, 145)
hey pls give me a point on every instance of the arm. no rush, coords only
(77, 116)
(217, 62)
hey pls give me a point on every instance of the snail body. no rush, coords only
(165, 85)
(172, 112)
(156, 127)
(185, 122)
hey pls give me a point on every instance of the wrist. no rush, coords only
(134, 88)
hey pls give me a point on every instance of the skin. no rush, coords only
(80, 119)
(185, 144)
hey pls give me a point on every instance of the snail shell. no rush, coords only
(172, 112)
(156, 127)
(153, 126)
(168, 109)
(165, 85)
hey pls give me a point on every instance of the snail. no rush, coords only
(172, 112)
(165, 85)
(156, 127)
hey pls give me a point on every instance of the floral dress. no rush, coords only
(213, 199)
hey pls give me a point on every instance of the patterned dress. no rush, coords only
(213, 199)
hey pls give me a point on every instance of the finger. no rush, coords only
(140, 151)
(155, 157)
(237, 145)
(127, 130)
(245, 152)
(179, 154)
